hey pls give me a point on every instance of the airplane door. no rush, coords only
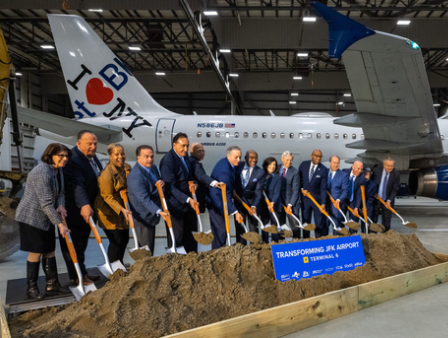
(164, 138)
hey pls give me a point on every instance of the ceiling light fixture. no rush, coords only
(297, 78)
(292, 102)
(134, 48)
(233, 74)
(436, 104)
(18, 74)
(347, 94)
(309, 19)
(95, 10)
(160, 73)
(302, 55)
(403, 22)
(294, 94)
(47, 47)
(224, 50)
(340, 103)
(210, 13)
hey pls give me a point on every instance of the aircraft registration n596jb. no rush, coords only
(387, 77)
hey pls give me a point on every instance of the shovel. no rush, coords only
(173, 249)
(130, 220)
(373, 226)
(107, 269)
(270, 229)
(351, 224)
(305, 226)
(283, 227)
(364, 209)
(80, 290)
(408, 224)
(204, 238)
(341, 230)
(250, 236)
(226, 211)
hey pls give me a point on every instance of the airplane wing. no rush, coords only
(390, 87)
(66, 127)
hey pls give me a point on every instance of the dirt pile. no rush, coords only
(140, 254)
(172, 293)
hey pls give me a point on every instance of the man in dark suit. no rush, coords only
(371, 191)
(81, 188)
(224, 171)
(388, 181)
(197, 154)
(290, 192)
(354, 197)
(249, 186)
(313, 179)
(338, 188)
(176, 173)
(144, 198)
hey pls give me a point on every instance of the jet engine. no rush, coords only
(430, 182)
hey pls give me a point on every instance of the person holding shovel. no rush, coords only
(371, 191)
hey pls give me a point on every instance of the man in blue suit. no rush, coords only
(338, 188)
(290, 192)
(144, 198)
(81, 188)
(354, 196)
(249, 186)
(371, 191)
(176, 173)
(224, 171)
(313, 179)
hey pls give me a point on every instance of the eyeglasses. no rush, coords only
(62, 156)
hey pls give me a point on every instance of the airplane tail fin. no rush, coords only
(98, 82)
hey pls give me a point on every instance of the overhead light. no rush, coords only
(309, 19)
(303, 55)
(95, 10)
(297, 78)
(292, 102)
(225, 50)
(210, 13)
(435, 104)
(160, 73)
(403, 22)
(47, 47)
(20, 74)
(294, 94)
(347, 94)
(446, 59)
(340, 103)
(134, 48)
(233, 74)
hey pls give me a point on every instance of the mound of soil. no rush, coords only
(171, 293)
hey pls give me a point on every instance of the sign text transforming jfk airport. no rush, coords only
(294, 261)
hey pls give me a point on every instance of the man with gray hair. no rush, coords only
(388, 181)
(224, 171)
(289, 194)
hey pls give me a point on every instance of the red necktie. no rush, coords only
(283, 173)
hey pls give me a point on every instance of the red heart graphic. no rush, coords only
(97, 93)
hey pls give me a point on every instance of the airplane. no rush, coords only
(388, 83)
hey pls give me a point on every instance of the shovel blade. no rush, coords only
(353, 225)
(181, 250)
(252, 237)
(271, 229)
(286, 233)
(204, 238)
(170, 250)
(118, 266)
(309, 227)
(377, 227)
(285, 227)
(105, 270)
(411, 225)
(80, 290)
(344, 231)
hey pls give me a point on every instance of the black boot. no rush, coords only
(53, 288)
(32, 274)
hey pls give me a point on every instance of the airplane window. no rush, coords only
(199, 134)
(264, 135)
(362, 136)
(282, 135)
(310, 135)
(345, 136)
(291, 135)
(336, 136)
(327, 136)
(354, 136)
(227, 135)
(442, 137)
(236, 135)
(246, 135)
(273, 135)
(209, 134)
(254, 135)
(300, 135)
(318, 135)
(217, 134)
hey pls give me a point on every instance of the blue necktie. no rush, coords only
(351, 188)
(312, 173)
(383, 189)
(247, 177)
(185, 164)
(330, 178)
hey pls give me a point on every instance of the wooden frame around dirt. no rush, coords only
(289, 318)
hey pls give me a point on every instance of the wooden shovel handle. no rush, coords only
(333, 201)
(364, 209)
(286, 210)
(317, 204)
(164, 206)
(249, 210)
(68, 239)
(124, 197)
(224, 204)
(385, 204)
(193, 194)
(271, 210)
(95, 231)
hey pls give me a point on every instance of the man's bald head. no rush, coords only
(357, 168)
(197, 151)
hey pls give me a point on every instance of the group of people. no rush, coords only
(70, 187)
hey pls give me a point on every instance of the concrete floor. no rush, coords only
(416, 315)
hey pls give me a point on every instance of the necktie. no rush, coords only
(94, 166)
(330, 178)
(383, 187)
(247, 177)
(283, 173)
(313, 169)
(185, 164)
(152, 176)
(351, 187)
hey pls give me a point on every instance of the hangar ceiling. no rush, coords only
(263, 36)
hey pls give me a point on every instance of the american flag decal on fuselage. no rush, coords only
(229, 125)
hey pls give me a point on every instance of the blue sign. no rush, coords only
(294, 261)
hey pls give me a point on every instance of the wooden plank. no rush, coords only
(385, 289)
(3, 323)
(282, 320)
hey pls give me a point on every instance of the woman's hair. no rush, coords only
(267, 162)
(112, 146)
(54, 149)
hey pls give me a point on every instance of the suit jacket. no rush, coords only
(41, 198)
(318, 184)
(81, 182)
(176, 178)
(393, 183)
(371, 191)
(143, 196)
(357, 196)
(252, 194)
(223, 172)
(272, 188)
(203, 180)
(338, 187)
(290, 187)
